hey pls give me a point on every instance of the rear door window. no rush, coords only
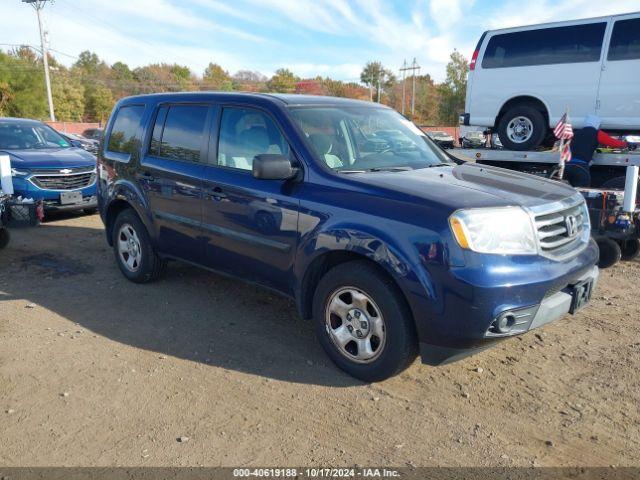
(547, 46)
(625, 40)
(124, 133)
(179, 132)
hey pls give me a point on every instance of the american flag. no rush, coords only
(563, 130)
(565, 150)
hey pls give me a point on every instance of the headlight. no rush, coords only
(505, 231)
(19, 173)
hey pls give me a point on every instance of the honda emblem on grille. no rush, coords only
(571, 223)
(65, 171)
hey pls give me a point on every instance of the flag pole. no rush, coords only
(562, 143)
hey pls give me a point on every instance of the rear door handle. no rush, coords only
(216, 193)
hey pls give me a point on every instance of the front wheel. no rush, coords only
(135, 255)
(610, 252)
(363, 322)
(522, 128)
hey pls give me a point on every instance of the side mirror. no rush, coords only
(273, 167)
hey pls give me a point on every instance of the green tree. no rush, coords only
(99, 103)
(216, 78)
(453, 90)
(5, 97)
(378, 78)
(68, 97)
(24, 86)
(283, 81)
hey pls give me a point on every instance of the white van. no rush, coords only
(522, 80)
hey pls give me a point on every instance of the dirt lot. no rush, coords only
(95, 370)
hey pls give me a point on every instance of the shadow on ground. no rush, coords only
(191, 314)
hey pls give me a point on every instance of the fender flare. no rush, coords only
(130, 193)
(403, 265)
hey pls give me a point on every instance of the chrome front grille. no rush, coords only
(561, 231)
(67, 181)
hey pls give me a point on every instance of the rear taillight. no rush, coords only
(474, 57)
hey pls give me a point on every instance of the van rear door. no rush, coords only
(619, 93)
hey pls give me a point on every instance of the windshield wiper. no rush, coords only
(440, 165)
(350, 171)
(389, 169)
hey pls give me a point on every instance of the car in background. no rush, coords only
(76, 140)
(389, 252)
(93, 133)
(522, 80)
(46, 166)
(473, 139)
(442, 139)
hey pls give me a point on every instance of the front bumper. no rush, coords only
(51, 198)
(537, 290)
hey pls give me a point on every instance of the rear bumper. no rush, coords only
(462, 319)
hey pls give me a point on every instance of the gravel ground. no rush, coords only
(197, 369)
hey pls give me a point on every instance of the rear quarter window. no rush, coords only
(546, 46)
(625, 40)
(124, 132)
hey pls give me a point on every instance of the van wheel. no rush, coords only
(136, 257)
(363, 322)
(610, 252)
(522, 128)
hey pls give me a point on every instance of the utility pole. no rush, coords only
(378, 86)
(405, 68)
(414, 67)
(39, 5)
(371, 88)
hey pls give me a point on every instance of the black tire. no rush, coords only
(610, 252)
(400, 345)
(538, 131)
(150, 265)
(630, 249)
(89, 211)
(5, 236)
(577, 175)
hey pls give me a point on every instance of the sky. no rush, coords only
(310, 37)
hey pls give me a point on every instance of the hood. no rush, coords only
(50, 158)
(471, 185)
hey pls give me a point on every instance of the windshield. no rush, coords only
(29, 136)
(366, 139)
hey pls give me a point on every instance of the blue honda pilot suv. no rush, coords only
(346, 207)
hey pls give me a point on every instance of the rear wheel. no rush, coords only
(135, 255)
(363, 322)
(522, 128)
(610, 252)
